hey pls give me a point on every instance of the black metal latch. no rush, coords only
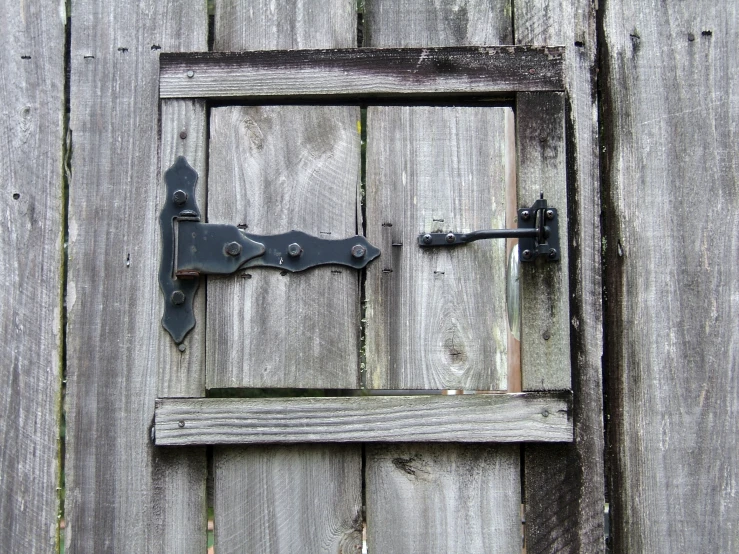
(191, 248)
(538, 234)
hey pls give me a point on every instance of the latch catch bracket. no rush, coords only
(537, 234)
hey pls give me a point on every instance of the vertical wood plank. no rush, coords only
(670, 114)
(31, 208)
(285, 516)
(274, 169)
(416, 23)
(436, 318)
(123, 495)
(564, 484)
(443, 498)
(183, 133)
(284, 499)
(545, 322)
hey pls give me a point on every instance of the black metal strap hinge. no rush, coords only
(537, 234)
(191, 248)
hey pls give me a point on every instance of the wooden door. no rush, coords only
(308, 473)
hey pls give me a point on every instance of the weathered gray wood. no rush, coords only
(422, 521)
(362, 72)
(564, 484)
(122, 494)
(545, 322)
(183, 133)
(443, 498)
(286, 499)
(436, 318)
(670, 116)
(31, 208)
(273, 169)
(291, 499)
(463, 418)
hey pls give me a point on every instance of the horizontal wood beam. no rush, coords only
(531, 417)
(362, 72)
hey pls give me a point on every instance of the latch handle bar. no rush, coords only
(538, 234)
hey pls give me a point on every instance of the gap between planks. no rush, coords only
(522, 417)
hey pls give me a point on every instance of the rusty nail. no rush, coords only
(179, 197)
(526, 254)
(525, 215)
(294, 250)
(183, 134)
(450, 238)
(358, 251)
(181, 423)
(233, 249)
(177, 298)
(427, 239)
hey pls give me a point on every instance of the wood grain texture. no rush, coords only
(31, 226)
(410, 24)
(670, 116)
(274, 169)
(182, 373)
(122, 494)
(436, 318)
(286, 499)
(463, 418)
(564, 485)
(447, 509)
(292, 499)
(545, 322)
(443, 498)
(363, 72)
(298, 25)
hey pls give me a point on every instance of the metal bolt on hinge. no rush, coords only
(177, 298)
(233, 249)
(294, 250)
(358, 251)
(179, 197)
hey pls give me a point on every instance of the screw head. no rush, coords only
(179, 197)
(525, 215)
(183, 135)
(526, 254)
(294, 250)
(233, 249)
(181, 423)
(552, 254)
(427, 239)
(450, 238)
(358, 251)
(190, 74)
(177, 298)
(550, 214)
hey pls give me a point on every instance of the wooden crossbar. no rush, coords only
(362, 72)
(528, 417)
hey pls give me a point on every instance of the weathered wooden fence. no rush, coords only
(643, 144)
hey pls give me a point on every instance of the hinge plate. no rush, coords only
(191, 248)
